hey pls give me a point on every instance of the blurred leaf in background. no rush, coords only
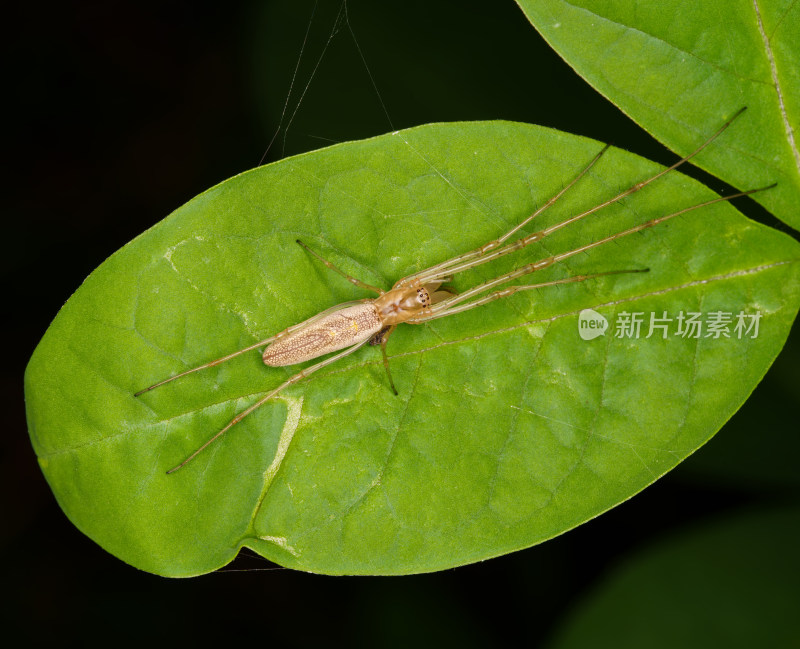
(729, 582)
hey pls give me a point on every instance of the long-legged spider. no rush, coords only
(420, 298)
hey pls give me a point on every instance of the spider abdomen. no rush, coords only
(335, 331)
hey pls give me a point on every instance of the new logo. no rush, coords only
(591, 324)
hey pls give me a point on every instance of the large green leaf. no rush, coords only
(509, 428)
(731, 583)
(673, 65)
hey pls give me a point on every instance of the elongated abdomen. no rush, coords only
(335, 331)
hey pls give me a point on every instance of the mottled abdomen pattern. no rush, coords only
(335, 331)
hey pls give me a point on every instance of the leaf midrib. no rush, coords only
(788, 130)
(626, 300)
(773, 66)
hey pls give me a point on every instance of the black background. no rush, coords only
(123, 111)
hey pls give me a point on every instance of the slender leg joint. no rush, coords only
(335, 269)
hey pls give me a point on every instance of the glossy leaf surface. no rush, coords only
(509, 428)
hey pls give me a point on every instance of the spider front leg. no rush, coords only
(440, 271)
(511, 290)
(494, 249)
(447, 306)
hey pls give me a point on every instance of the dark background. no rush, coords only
(122, 111)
